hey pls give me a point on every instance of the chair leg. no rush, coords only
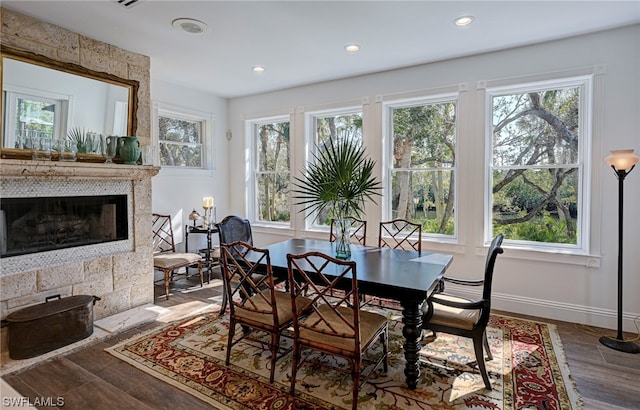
(232, 332)
(201, 274)
(223, 308)
(477, 346)
(486, 346)
(166, 283)
(275, 342)
(294, 367)
(355, 376)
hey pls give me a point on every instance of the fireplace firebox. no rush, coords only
(31, 225)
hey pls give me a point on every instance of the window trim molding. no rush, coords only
(439, 95)
(159, 109)
(585, 80)
(251, 195)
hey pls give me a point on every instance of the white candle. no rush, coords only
(207, 202)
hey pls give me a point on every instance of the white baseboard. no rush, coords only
(567, 312)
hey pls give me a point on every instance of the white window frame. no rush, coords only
(62, 102)
(251, 126)
(310, 150)
(585, 83)
(206, 121)
(388, 107)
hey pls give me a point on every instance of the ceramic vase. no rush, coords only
(129, 150)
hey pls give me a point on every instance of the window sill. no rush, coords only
(551, 255)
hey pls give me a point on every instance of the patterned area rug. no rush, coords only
(528, 370)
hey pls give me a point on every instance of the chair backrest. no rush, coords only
(494, 250)
(317, 275)
(243, 282)
(162, 234)
(358, 233)
(234, 228)
(400, 233)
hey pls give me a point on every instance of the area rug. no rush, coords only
(528, 371)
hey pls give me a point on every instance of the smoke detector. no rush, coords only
(190, 26)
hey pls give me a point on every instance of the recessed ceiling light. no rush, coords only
(352, 48)
(463, 21)
(258, 68)
(190, 26)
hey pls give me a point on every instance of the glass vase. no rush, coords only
(343, 240)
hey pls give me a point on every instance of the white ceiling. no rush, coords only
(302, 42)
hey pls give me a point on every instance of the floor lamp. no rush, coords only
(622, 162)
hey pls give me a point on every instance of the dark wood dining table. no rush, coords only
(408, 277)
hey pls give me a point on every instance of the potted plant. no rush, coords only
(338, 180)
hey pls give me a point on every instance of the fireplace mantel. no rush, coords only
(11, 168)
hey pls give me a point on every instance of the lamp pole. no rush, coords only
(622, 162)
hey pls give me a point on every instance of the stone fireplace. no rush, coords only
(120, 272)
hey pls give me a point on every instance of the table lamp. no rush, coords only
(194, 216)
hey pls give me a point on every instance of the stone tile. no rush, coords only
(112, 303)
(57, 276)
(35, 298)
(16, 285)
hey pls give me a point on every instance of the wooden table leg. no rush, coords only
(412, 319)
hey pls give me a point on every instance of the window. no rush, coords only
(181, 139)
(271, 150)
(537, 163)
(333, 125)
(33, 116)
(422, 164)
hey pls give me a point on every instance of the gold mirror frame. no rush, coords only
(71, 68)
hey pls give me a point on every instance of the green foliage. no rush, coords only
(338, 180)
(544, 228)
(78, 136)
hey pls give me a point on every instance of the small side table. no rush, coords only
(209, 260)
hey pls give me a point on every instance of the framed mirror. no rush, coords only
(42, 97)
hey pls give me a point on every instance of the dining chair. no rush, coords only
(165, 257)
(463, 316)
(253, 301)
(400, 234)
(233, 228)
(396, 234)
(358, 233)
(332, 325)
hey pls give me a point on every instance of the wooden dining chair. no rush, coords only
(165, 257)
(253, 300)
(463, 316)
(358, 233)
(332, 325)
(400, 234)
(396, 234)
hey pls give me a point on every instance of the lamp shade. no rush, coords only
(194, 215)
(622, 159)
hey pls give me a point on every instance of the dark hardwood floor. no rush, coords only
(93, 379)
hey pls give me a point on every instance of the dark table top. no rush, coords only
(383, 272)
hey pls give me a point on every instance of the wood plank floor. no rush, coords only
(93, 379)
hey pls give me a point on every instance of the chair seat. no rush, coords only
(370, 324)
(168, 260)
(283, 306)
(450, 316)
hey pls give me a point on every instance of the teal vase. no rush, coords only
(129, 150)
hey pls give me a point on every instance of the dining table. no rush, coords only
(406, 276)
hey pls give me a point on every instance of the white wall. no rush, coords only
(565, 287)
(177, 191)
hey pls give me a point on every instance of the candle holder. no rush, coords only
(209, 217)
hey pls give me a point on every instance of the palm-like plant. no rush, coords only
(339, 179)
